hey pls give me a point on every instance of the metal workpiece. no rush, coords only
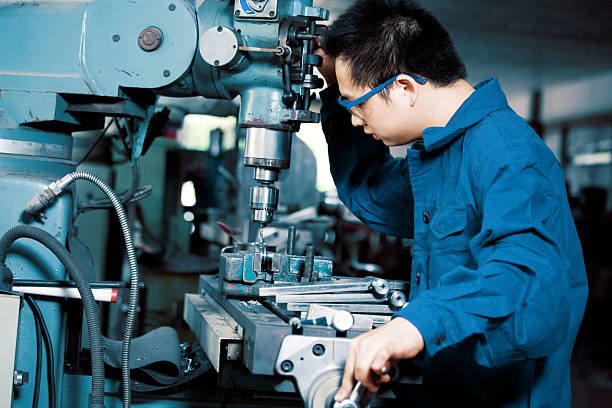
(245, 272)
(395, 299)
(349, 297)
(316, 364)
(367, 308)
(335, 285)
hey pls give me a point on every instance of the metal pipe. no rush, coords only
(291, 235)
(89, 304)
(69, 284)
(309, 263)
(44, 200)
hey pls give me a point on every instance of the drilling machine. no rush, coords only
(67, 66)
(71, 65)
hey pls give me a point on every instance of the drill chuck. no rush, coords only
(264, 201)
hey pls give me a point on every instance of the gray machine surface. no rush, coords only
(306, 347)
(9, 313)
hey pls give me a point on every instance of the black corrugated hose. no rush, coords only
(42, 332)
(36, 393)
(89, 304)
(43, 200)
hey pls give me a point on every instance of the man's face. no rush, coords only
(386, 120)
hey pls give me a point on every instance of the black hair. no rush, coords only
(381, 38)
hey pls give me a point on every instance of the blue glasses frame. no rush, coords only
(349, 105)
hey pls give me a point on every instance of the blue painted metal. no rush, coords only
(260, 85)
(246, 8)
(56, 54)
(91, 47)
(141, 133)
(21, 177)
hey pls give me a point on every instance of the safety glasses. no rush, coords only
(353, 106)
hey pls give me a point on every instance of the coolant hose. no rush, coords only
(44, 199)
(82, 282)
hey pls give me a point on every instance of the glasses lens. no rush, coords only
(356, 111)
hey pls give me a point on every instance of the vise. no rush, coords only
(244, 269)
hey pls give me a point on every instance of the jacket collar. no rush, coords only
(488, 97)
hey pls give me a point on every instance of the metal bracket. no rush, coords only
(256, 9)
(316, 364)
(299, 116)
(9, 316)
(317, 13)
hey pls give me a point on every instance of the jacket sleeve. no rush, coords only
(513, 304)
(370, 182)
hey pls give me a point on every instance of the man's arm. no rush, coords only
(371, 183)
(517, 296)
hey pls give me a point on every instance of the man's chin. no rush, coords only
(385, 141)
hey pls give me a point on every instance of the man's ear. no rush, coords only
(408, 87)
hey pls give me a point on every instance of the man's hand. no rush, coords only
(328, 70)
(371, 355)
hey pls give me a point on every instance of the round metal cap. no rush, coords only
(342, 321)
(380, 287)
(219, 46)
(150, 39)
(397, 299)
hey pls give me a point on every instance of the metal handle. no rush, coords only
(278, 50)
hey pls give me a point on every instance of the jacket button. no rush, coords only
(426, 217)
(440, 339)
(417, 280)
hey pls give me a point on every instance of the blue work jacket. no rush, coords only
(498, 284)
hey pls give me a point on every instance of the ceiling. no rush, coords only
(527, 44)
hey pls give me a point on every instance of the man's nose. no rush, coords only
(356, 121)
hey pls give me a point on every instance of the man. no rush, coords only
(498, 285)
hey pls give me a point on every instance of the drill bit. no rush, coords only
(260, 237)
